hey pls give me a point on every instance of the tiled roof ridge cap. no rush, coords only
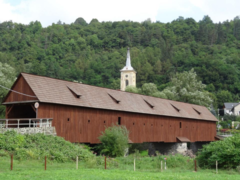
(111, 89)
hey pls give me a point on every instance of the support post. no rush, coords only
(161, 166)
(77, 162)
(29, 122)
(6, 123)
(134, 164)
(45, 162)
(105, 162)
(40, 123)
(18, 123)
(47, 123)
(11, 162)
(195, 163)
(216, 167)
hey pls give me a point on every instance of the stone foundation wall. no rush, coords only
(31, 130)
(167, 148)
(173, 148)
(196, 146)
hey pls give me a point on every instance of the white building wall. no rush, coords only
(237, 110)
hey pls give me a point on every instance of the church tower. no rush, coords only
(128, 74)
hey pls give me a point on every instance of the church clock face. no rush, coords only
(126, 76)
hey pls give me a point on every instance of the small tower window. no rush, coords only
(126, 75)
(126, 83)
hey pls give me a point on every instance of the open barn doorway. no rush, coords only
(21, 111)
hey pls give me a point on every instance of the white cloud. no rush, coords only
(49, 11)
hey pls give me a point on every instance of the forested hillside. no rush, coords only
(94, 53)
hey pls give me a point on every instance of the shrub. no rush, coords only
(225, 124)
(226, 152)
(114, 141)
(37, 146)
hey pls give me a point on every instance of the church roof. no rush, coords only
(128, 66)
(56, 91)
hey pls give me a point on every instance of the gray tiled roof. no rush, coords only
(50, 90)
(230, 105)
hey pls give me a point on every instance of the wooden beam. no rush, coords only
(20, 102)
(33, 107)
(8, 110)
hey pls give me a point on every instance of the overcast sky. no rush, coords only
(50, 11)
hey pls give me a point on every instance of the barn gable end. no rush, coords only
(23, 87)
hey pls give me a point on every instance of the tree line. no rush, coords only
(94, 52)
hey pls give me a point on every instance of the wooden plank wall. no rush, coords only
(20, 86)
(84, 125)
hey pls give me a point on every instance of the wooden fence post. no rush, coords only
(105, 162)
(45, 162)
(134, 164)
(11, 162)
(195, 163)
(161, 166)
(77, 162)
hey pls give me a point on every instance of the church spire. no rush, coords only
(128, 74)
(128, 62)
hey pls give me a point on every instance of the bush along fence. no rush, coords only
(157, 163)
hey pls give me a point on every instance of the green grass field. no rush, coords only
(35, 170)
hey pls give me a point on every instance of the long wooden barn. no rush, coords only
(81, 112)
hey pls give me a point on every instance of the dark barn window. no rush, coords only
(119, 120)
(180, 124)
(88, 121)
(104, 122)
(68, 119)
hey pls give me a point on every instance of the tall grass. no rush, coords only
(142, 163)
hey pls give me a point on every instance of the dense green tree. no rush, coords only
(223, 96)
(94, 53)
(7, 77)
(186, 87)
(80, 21)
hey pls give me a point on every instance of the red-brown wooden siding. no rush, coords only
(20, 86)
(156, 128)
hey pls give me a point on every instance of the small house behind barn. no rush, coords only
(80, 112)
